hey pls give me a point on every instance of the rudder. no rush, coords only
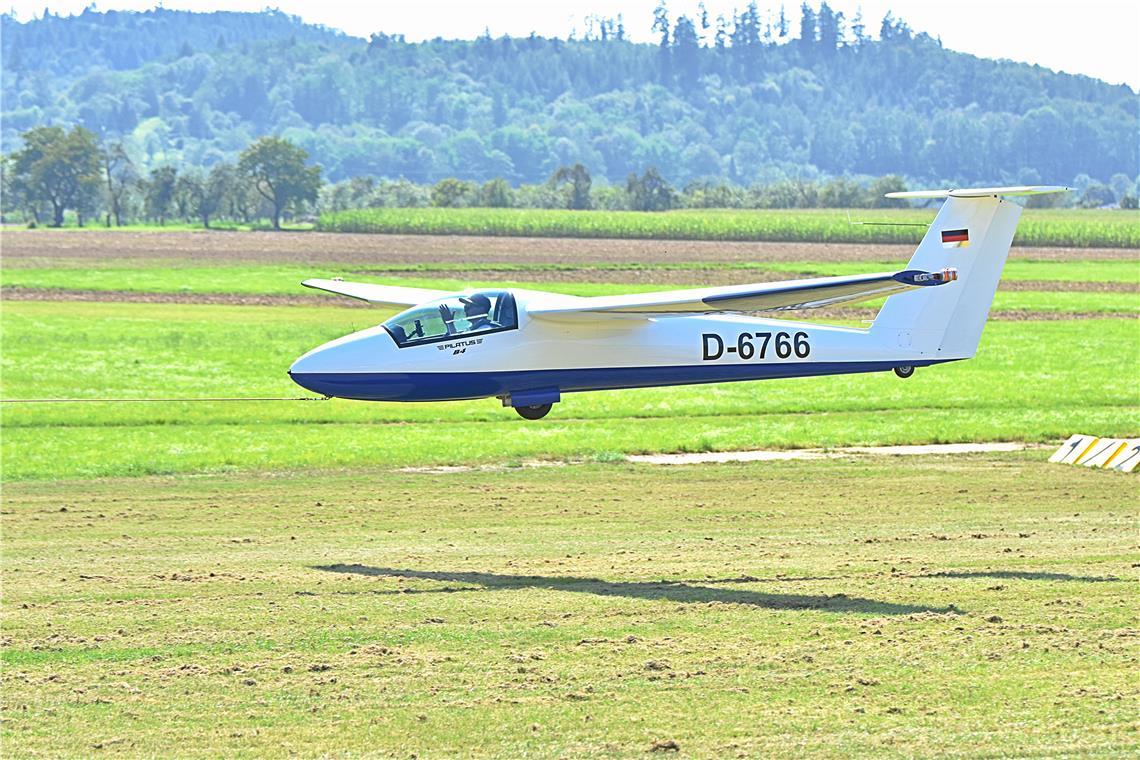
(972, 234)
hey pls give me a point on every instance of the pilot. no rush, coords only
(477, 309)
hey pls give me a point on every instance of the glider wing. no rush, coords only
(383, 295)
(764, 297)
(980, 192)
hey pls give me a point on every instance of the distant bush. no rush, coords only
(1097, 195)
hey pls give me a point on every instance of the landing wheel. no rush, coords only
(904, 371)
(536, 412)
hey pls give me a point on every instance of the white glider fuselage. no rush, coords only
(543, 355)
(528, 347)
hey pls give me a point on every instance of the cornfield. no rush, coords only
(1044, 227)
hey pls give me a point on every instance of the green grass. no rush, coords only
(265, 581)
(1112, 229)
(851, 608)
(1019, 270)
(187, 277)
(171, 275)
(268, 280)
(1030, 300)
(285, 280)
(1032, 381)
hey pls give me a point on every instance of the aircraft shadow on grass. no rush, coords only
(670, 591)
(1025, 575)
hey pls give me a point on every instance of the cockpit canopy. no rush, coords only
(463, 314)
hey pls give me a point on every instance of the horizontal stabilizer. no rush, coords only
(981, 192)
(763, 297)
(382, 295)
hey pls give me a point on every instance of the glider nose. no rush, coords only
(326, 368)
(320, 359)
(309, 370)
(307, 367)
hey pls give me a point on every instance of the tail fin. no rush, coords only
(972, 233)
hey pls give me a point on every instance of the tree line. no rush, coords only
(571, 187)
(60, 171)
(748, 98)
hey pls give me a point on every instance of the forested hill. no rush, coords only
(742, 100)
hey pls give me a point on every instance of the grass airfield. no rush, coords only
(951, 606)
(381, 579)
(1024, 385)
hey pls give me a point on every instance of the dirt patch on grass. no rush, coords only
(686, 277)
(216, 299)
(781, 455)
(1068, 286)
(207, 247)
(235, 299)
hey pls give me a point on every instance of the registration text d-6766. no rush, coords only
(761, 345)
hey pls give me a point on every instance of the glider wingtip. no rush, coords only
(918, 194)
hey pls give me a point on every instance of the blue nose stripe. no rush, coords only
(455, 386)
(377, 386)
(402, 386)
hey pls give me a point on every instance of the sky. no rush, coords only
(1098, 38)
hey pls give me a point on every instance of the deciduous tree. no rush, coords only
(160, 191)
(120, 176)
(58, 167)
(880, 186)
(453, 193)
(277, 170)
(221, 184)
(496, 193)
(650, 192)
(577, 180)
(203, 196)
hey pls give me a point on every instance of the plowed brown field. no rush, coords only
(41, 247)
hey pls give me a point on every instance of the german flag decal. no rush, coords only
(955, 238)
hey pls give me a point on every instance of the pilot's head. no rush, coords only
(477, 305)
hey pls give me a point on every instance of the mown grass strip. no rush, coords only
(95, 452)
(284, 279)
(1031, 381)
(848, 608)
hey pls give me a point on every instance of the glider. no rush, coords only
(529, 347)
